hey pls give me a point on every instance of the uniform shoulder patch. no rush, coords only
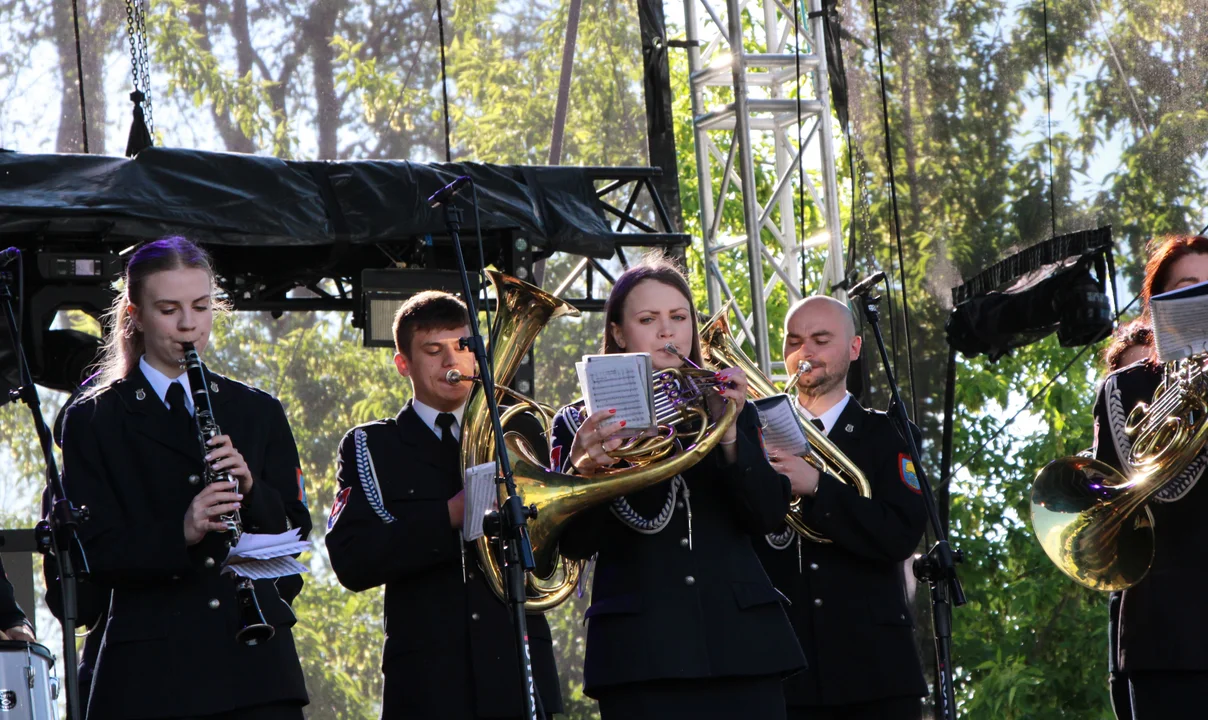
(907, 474)
(301, 488)
(338, 507)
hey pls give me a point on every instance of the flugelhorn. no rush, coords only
(720, 351)
(254, 629)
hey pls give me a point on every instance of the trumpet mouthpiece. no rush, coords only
(803, 367)
(453, 377)
(671, 348)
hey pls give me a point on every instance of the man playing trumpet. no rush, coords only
(849, 607)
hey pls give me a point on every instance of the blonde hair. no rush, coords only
(124, 342)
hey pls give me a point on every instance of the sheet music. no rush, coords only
(782, 433)
(1180, 322)
(267, 569)
(481, 497)
(620, 381)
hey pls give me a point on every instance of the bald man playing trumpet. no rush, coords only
(849, 606)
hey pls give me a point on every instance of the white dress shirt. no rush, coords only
(161, 383)
(428, 414)
(830, 417)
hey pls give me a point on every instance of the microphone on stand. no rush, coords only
(865, 285)
(445, 194)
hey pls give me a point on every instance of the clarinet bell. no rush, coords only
(255, 629)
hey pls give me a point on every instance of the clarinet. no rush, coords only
(254, 628)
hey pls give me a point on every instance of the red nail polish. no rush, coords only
(622, 423)
(612, 411)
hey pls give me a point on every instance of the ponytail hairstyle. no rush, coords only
(124, 343)
(653, 266)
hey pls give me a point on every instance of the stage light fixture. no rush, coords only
(383, 291)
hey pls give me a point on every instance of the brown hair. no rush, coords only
(1129, 335)
(1163, 253)
(125, 344)
(428, 310)
(654, 266)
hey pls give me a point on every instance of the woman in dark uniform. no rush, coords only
(1161, 634)
(684, 622)
(132, 455)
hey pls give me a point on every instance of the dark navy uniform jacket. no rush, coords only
(691, 601)
(169, 648)
(450, 650)
(849, 604)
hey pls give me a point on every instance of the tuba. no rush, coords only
(522, 311)
(1092, 520)
(722, 351)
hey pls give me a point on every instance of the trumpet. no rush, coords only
(255, 629)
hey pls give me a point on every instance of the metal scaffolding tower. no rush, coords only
(746, 111)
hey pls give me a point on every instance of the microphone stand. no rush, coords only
(509, 524)
(57, 534)
(938, 567)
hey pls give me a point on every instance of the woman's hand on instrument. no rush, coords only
(802, 476)
(224, 456)
(593, 442)
(19, 633)
(202, 516)
(736, 394)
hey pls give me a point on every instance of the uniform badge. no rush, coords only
(850, 428)
(301, 488)
(140, 394)
(555, 458)
(906, 469)
(213, 386)
(338, 507)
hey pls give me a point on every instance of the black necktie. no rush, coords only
(817, 422)
(181, 416)
(448, 442)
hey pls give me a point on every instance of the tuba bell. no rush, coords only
(722, 351)
(1093, 521)
(522, 311)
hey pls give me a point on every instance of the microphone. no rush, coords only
(863, 287)
(9, 255)
(445, 194)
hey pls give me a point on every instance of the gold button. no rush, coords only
(817, 602)
(214, 603)
(683, 542)
(194, 479)
(209, 562)
(813, 566)
(689, 580)
(473, 616)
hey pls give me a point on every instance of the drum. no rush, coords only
(28, 685)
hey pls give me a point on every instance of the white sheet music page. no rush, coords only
(620, 381)
(782, 433)
(481, 498)
(1180, 322)
(262, 556)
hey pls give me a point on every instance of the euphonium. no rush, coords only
(722, 351)
(522, 311)
(1092, 520)
(254, 629)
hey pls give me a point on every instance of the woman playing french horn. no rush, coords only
(683, 622)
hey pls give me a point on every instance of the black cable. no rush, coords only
(444, 80)
(1048, 109)
(800, 149)
(1035, 396)
(1203, 230)
(75, 16)
(897, 222)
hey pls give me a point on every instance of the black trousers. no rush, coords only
(1117, 679)
(748, 698)
(1167, 694)
(903, 708)
(275, 711)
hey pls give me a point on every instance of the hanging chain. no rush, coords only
(140, 62)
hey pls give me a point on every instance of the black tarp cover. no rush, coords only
(227, 198)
